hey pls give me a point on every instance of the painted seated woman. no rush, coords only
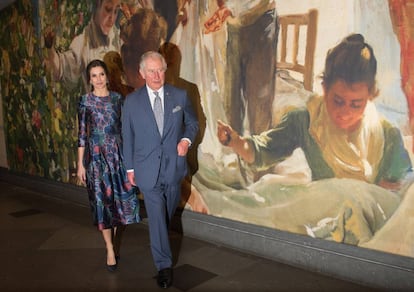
(358, 162)
(341, 134)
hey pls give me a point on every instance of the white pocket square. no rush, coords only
(176, 109)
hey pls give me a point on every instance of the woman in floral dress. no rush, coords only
(112, 198)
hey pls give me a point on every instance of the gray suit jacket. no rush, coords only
(144, 149)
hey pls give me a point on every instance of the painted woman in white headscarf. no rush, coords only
(98, 37)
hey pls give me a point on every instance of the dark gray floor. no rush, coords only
(48, 244)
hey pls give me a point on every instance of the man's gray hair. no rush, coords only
(152, 55)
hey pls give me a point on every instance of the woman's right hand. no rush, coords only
(229, 137)
(225, 133)
(81, 174)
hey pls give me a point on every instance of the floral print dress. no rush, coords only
(112, 198)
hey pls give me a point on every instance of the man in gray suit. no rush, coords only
(155, 149)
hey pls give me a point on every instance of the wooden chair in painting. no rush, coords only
(289, 44)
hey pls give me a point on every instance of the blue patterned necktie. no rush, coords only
(159, 115)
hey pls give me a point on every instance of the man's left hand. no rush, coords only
(182, 147)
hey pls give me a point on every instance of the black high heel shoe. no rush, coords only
(112, 268)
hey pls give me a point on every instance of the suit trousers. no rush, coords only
(160, 204)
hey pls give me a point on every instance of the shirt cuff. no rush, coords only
(188, 140)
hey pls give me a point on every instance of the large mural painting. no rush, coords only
(306, 109)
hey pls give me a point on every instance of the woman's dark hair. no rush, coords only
(93, 64)
(352, 60)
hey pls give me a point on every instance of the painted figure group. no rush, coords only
(123, 150)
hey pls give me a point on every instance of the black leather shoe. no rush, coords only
(165, 278)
